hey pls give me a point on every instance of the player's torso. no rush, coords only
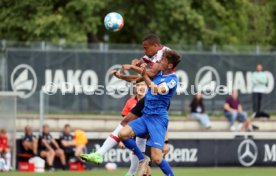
(158, 103)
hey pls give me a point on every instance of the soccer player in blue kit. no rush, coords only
(154, 120)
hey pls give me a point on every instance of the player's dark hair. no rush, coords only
(152, 38)
(173, 57)
(66, 125)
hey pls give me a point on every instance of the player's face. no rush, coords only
(141, 88)
(150, 49)
(164, 63)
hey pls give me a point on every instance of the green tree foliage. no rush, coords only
(240, 22)
(73, 20)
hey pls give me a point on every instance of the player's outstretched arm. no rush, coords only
(140, 79)
(151, 72)
(128, 78)
(131, 67)
(137, 62)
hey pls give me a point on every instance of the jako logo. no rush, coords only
(24, 80)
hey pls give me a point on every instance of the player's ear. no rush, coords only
(170, 66)
(156, 45)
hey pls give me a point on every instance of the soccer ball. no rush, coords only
(113, 22)
(111, 166)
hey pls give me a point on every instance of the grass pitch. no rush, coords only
(156, 172)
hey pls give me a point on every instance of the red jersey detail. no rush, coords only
(149, 61)
(131, 102)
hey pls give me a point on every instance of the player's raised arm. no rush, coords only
(137, 62)
(157, 89)
(128, 78)
(151, 72)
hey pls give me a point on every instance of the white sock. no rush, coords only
(141, 143)
(8, 159)
(111, 141)
(134, 162)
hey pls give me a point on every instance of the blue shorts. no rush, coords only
(155, 126)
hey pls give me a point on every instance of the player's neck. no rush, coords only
(139, 97)
(160, 47)
(166, 72)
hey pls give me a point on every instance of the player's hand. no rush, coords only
(121, 145)
(143, 65)
(144, 71)
(166, 149)
(135, 62)
(125, 67)
(116, 74)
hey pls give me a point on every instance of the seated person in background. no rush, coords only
(197, 111)
(68, 143)
(29, 141)
(49, 148)
(233, 111)
(4, 149)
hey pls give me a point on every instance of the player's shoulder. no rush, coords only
(171, 80)
(166, 48)
(132, 98)
(171, 76)
(163, 49)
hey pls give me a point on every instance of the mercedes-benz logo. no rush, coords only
(117, 88)
(23, 80)
(206, 81)
(247, 152)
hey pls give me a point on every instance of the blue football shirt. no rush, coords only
(157, 104)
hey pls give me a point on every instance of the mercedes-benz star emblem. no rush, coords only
(247, 152)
